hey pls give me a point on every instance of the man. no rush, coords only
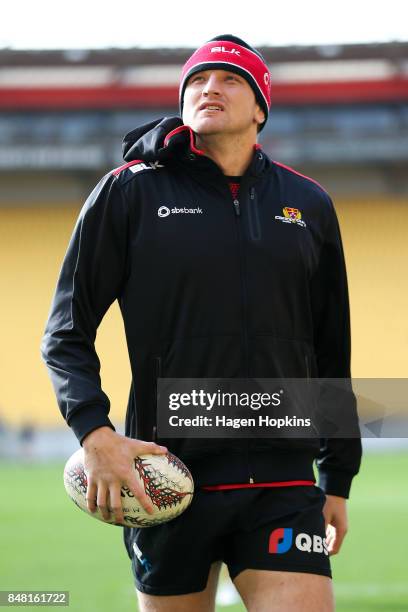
(191, 237)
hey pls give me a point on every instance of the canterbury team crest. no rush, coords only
(291, 215)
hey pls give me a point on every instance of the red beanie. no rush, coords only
(227, 52)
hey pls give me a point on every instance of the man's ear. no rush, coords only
(259, 115)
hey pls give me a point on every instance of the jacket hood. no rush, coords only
(147, 142)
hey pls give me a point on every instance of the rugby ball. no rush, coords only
(164, 478)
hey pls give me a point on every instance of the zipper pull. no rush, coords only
(237, 209)
(252, 193)
(251, 480)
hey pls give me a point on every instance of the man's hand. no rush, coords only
(335, 516)
(109, 464)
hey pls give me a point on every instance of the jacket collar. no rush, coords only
(182, 140)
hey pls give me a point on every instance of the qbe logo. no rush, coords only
(165, 211)
(281, 540)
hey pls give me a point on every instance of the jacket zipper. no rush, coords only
(244, 294)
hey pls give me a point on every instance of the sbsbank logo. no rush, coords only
(164, 211)
(281, 540)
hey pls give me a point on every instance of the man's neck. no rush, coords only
(233, 154)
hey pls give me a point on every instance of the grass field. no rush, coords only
(47, 543)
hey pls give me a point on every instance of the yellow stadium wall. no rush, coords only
(33, 242)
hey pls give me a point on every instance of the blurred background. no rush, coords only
(339, 114)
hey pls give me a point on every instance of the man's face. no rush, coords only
(236, 108)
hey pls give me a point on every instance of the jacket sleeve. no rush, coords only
(339, 458)
(92, 275)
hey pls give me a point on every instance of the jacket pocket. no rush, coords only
(253, 216)
(307, 366)
(285, 359)
(277, 357)
(157, 373)
(197, 357)
(130, 427)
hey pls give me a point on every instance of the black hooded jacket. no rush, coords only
(229, 290)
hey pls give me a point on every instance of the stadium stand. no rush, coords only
(339, 114)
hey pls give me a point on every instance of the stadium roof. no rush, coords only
(390, 51)
(136, 78)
